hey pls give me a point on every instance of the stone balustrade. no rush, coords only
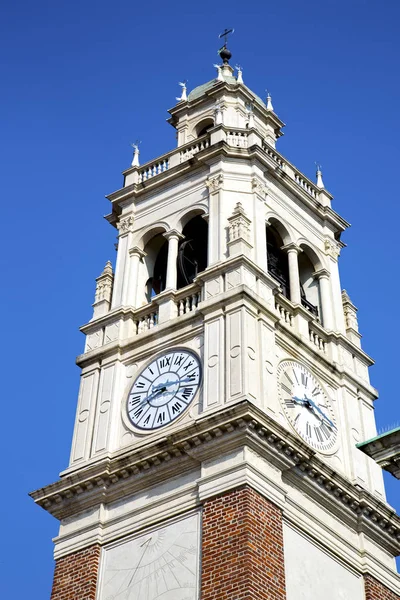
(317, 336)
(152, 169)
(187, 299)
(237, 139)
(284, 310)
(190, 150)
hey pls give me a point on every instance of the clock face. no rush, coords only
(164, 389)
(306, 406)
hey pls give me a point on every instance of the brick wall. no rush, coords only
(374, 590)
(75, 575)
(242, 548)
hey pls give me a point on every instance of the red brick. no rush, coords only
(75, 575)
(242, 548)
(374, 590)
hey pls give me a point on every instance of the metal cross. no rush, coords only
(225, 34)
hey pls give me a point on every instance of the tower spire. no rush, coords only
(320, 182)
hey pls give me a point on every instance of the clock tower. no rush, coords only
(224, 389)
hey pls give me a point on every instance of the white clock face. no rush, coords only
(306, 406)
(164, 389)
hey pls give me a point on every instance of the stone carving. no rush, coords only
(259, 187)
(350, 312)
(332, 248)
(104, 284)
(239, 224)
(214, 184)
(125, 224)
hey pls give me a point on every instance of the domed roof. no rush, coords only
(205, 87)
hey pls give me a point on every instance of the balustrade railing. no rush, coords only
(305, 184)
(238, 139)
(275, 157)
(188, 152)
(284, 310)
(153, 169)
(188, 300)
(146, 321)
(317, 337)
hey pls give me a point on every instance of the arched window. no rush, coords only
(192, 253)
(204, 126)
(309, 286)
(277, 260)
(155, 264)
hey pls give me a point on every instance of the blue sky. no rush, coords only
(80, 81)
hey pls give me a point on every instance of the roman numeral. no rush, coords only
(316, 391)
(295, 376)
(161, 417)
(288, 378)
(134, 400)
(308, 429)
(304, 379)
(325, 431)
(188, 365)
(287, 389)
(179, 359)
(165, 362)
(176, 407)
(140, 384)
(147, 419)
(186, 393)
(138, 412)
(289, 402)
(318, 434)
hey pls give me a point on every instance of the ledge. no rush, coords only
(240, 425)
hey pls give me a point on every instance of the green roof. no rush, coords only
(379, 437)
(205, 87)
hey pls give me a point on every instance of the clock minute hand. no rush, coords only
(315, 407)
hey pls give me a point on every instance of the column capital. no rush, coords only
(321, 274)
(292, 247)
(173, 234)
(136, 251)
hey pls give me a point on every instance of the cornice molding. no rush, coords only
(242, 424)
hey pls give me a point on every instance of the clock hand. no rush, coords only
(315, 407)
(302, 401)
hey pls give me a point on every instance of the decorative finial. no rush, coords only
(320, 183)
(184, 91)
(135, 159)
(269, 101)
(239, 78)
(250, 115)
(108, 268)
(224, 53)
(218, 114)
(219, 77)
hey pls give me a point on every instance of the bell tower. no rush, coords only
(224, 389)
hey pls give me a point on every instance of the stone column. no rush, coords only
(130, 290)
(215, 252)
(325, 294)
(173, 236)
(294, 278)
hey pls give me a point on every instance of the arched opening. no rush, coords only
(204, 126)
(155, 264)
(277, 259)
(309, 286)
(192, 253)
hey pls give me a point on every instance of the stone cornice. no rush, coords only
(242, 424)
(222, 148)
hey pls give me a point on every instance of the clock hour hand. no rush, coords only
(315, 407)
